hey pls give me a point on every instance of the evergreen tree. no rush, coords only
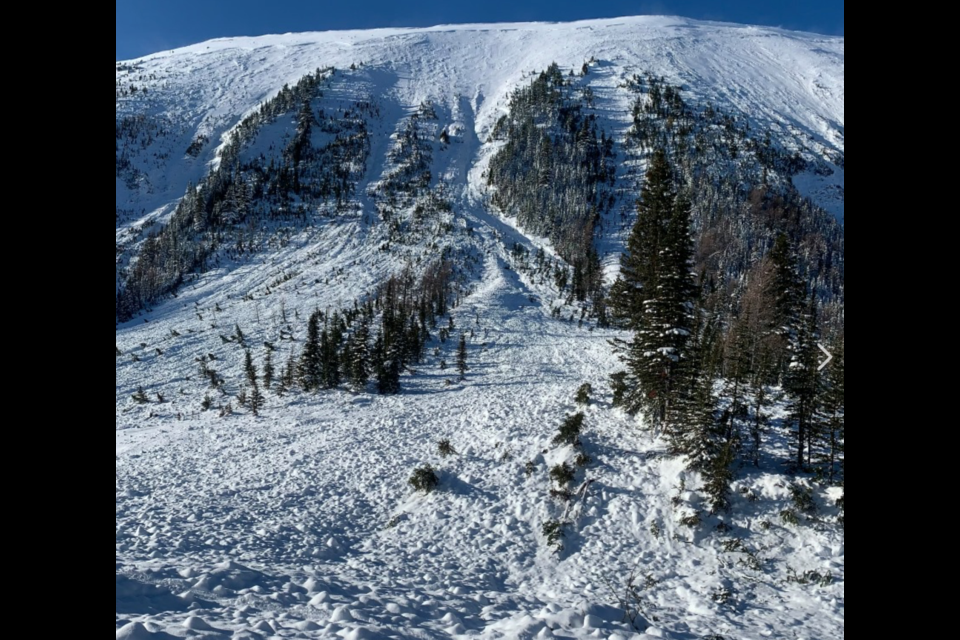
(358, 362)
(255, 400)
(386, 367)
(249, 368)
(462, 367)
(803, 384)
(329, 360)
(289, 377)
(268, 371)
(639, 263)
(785, 296)
(239, 334)
(664, 293)
(310, 372)
(831, 434)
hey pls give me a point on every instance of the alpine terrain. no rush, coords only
(483, 331)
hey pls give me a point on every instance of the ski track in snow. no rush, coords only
(300, 523)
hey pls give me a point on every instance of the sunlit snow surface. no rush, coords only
(299, 523)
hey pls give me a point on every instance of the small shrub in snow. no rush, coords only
(140, 397)
(810, 577)
(445, 448)
(207, 403)
(692, 520)
(583, 459)
(530, 468)
(584, 393)
(562, 474)
(561, 495)
(789, 516)
(655, 530)
(802, 498)
(424, 479)
(618, 384)
(721, 595)
(569, 432)
(553, 532)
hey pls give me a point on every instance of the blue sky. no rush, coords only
(147, 26)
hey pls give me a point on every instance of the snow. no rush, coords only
(300, 523)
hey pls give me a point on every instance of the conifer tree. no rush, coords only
(639, 262)
(249, 368)
(239, 334)
(831, 434)
(329, 360)
(310, 372)
(462, 367)
(358, 362)
(803, 384)
(386, 367)
(255, 400)
(663, 293)
(268, 371)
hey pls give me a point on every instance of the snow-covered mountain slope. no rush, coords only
(299, 523)
(789, 81)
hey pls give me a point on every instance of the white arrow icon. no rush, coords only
(827, 361)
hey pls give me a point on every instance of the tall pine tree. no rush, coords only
(657, 294)
(310, 372)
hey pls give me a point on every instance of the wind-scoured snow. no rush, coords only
(299, 523)
(787, 80)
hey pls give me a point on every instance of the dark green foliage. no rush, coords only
(691, 520)
(740, 183)
(268, 371)
(718, 478)
(802, 498)
(830, 439)
(549, 142)
(140, 397)
(655, 294)
(249, 369)
(256, 400)
(618, 385)
(207, 403)
(227, 212)
(789, 516)
(530, 468)
(424, 479)
(569, 432)
(583, 459)
(356, 356)
(811, 576)
(803, 385)
(584, 393)
(444, 448)
(553, 532)
(563, 474)
(310, 371)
